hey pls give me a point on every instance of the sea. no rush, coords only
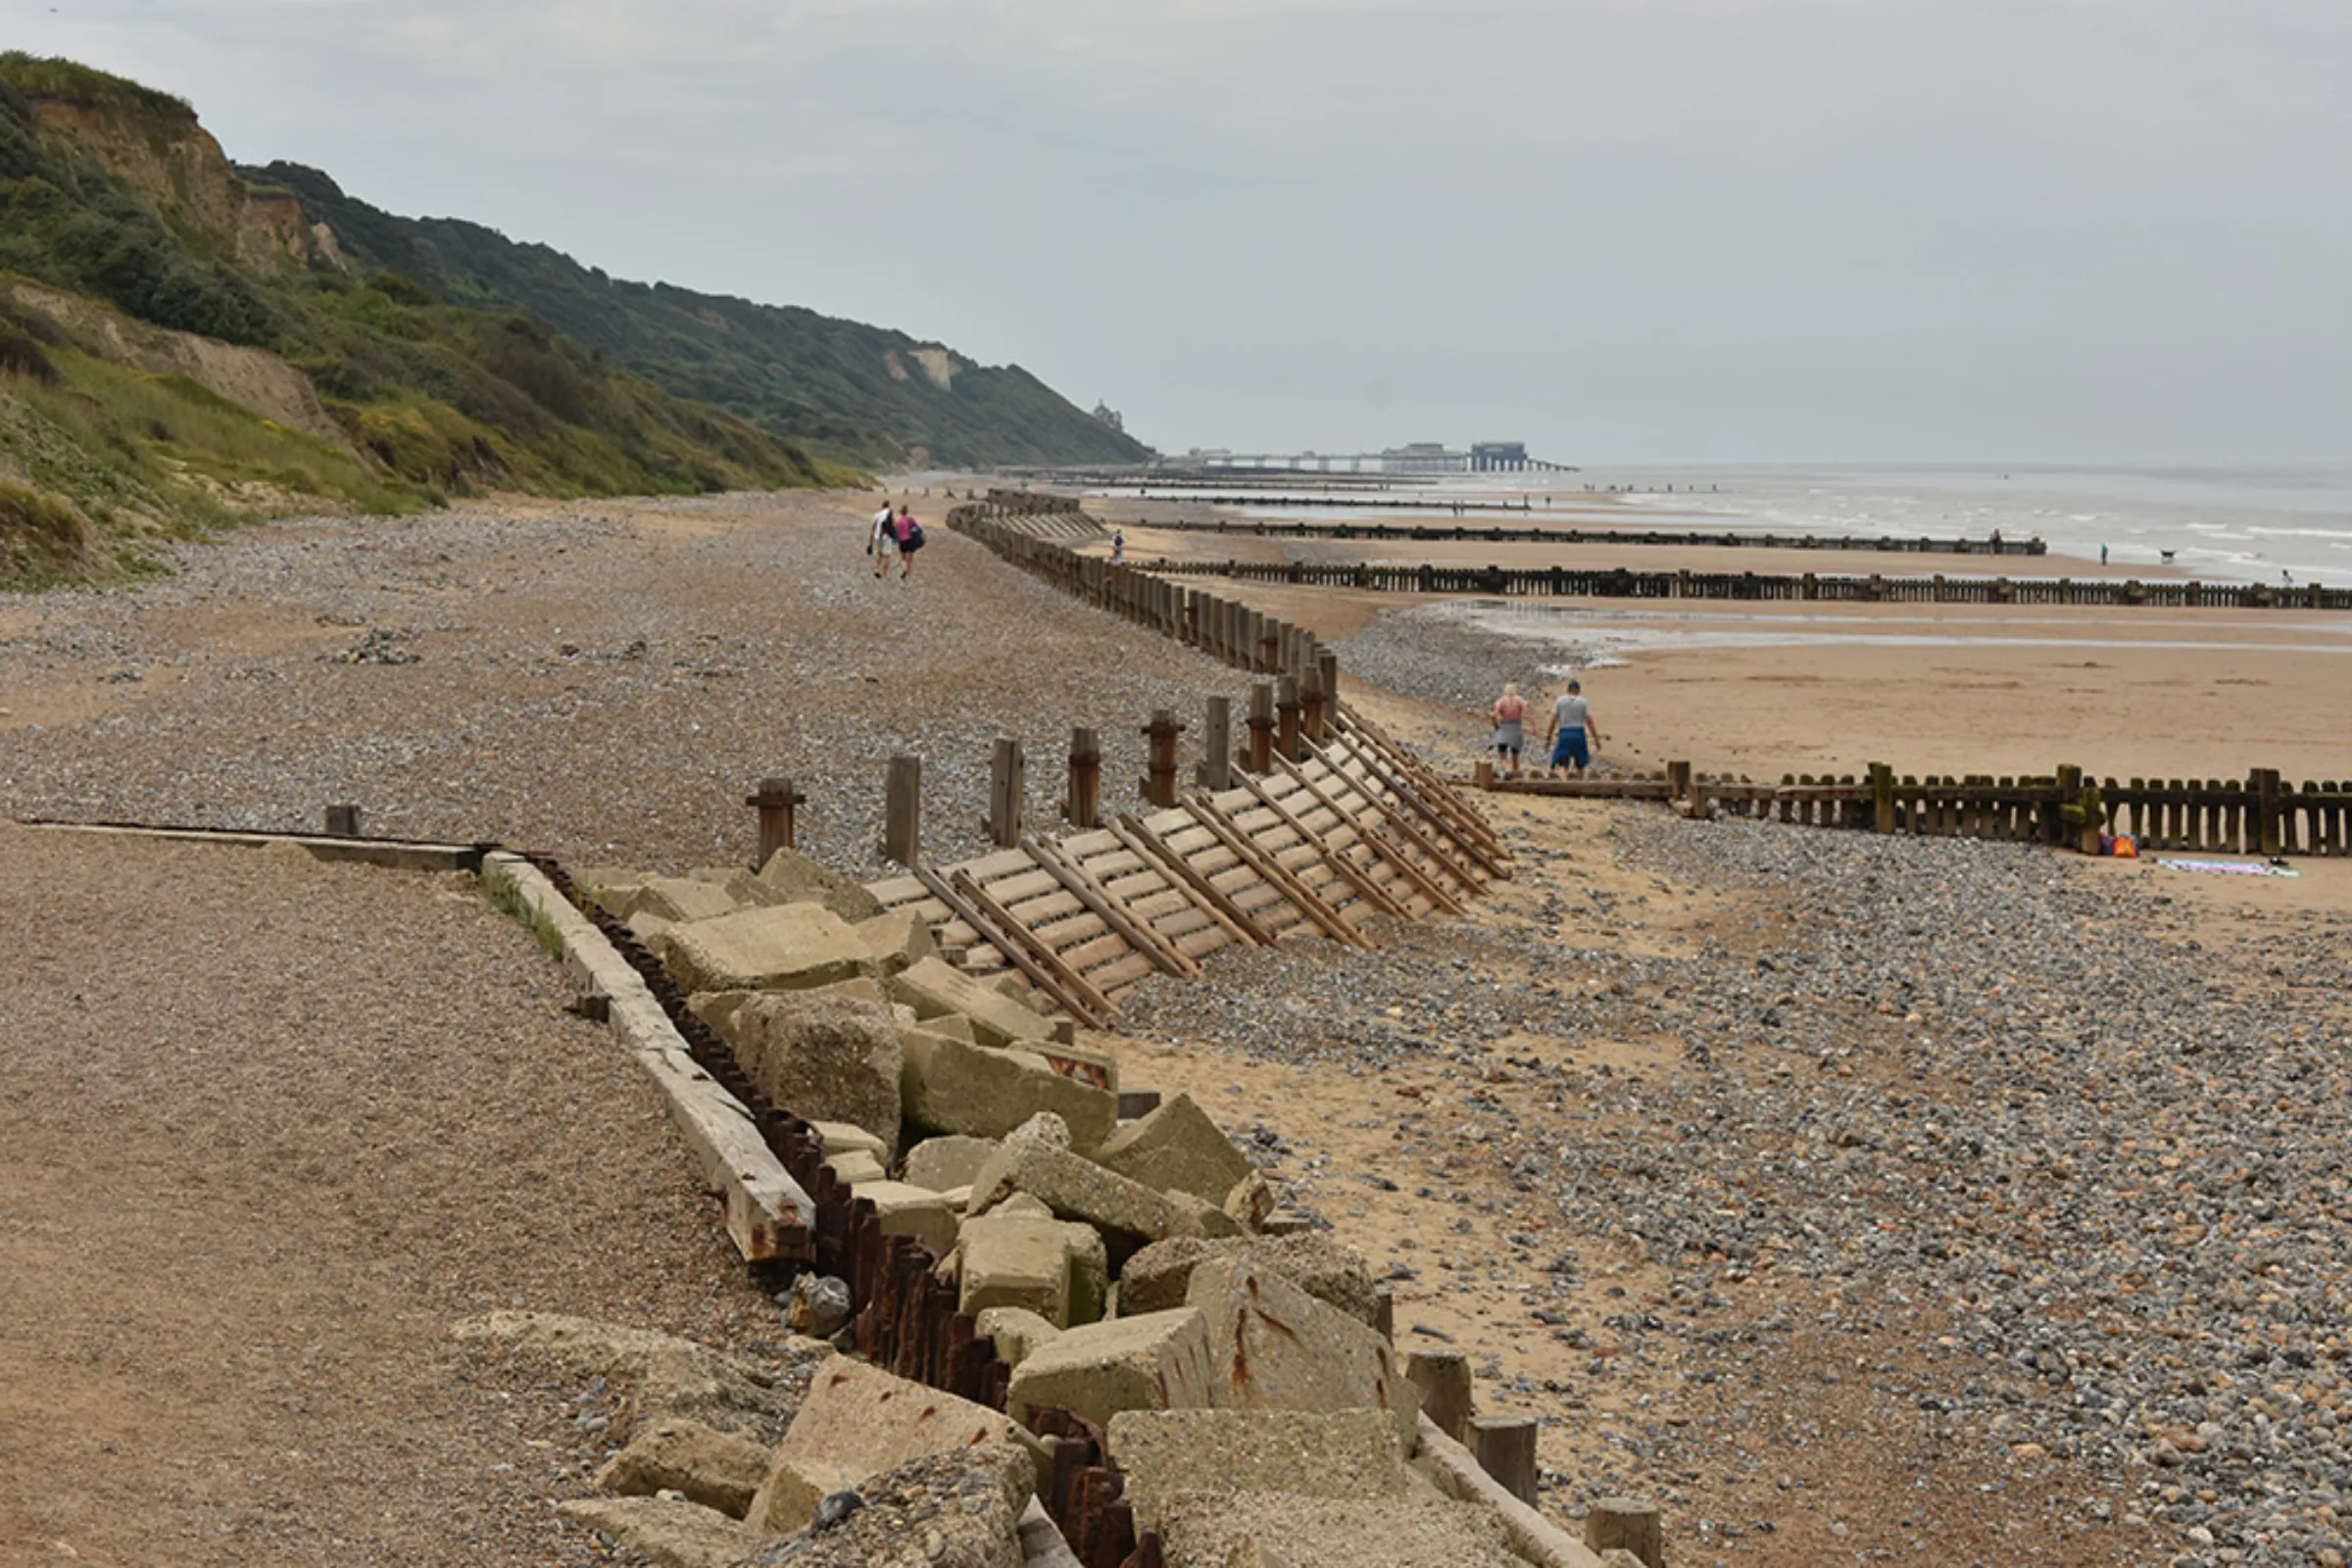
(2275, 524)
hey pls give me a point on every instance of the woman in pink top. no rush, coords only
(1510, 715)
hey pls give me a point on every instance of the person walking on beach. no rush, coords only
(1572, 735)
(882, 541)
(910, 536)
(1118, 547)
(1510, 719)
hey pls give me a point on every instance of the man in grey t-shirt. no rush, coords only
(1572, 734)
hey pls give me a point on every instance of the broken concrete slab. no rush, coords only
(1251, 1203)
(1277, 1348)
(1162, 1361)
(1015, 1330)
(744, 887)
(1177, 1148)
(803, 880)
(1204, 1219)
(857, 1422)
(933, 987)
(950, 1086)
(681, 899)
(1054, 1268)
(1344, 1453)
(821, 1056)
(842, 1137)
(717, 1469)
(955, 1509)
(906, 1209)
(785, 946)
(855, 1165)
(1130, 1214)
(897, 940)
(943, 1164)
(666, 1532)
(1227, 1528)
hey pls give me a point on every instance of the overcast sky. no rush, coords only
(1622, 231)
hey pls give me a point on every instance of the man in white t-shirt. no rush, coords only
(882, 540)
(1572, 734)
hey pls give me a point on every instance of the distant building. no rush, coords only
(1110, 416)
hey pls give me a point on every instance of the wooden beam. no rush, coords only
(1206, 812)
(1464, 872)
(1017, 953)
(1348, 871)
(1097, 898)
(1403, 864)
(1407, 797)
(1204, 894)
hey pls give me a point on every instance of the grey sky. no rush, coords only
(1618, 229)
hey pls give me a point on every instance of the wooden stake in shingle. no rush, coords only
(902, 810)
(776, 801)
(1084, 805)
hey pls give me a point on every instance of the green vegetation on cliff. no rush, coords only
(128, 246)
(863, 394)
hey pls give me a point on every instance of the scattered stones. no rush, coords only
(819, 1306)
(957, 1508)
(857, 1422)
(716, 1469)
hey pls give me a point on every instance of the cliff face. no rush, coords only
(177, 164)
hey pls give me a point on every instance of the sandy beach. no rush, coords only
(1849, 1197)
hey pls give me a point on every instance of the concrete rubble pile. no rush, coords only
(1130, 1271)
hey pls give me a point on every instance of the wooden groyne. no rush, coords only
(1496, 533)
(2260, 814)
(1562, 582)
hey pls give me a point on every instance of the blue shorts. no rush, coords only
(1570, 748)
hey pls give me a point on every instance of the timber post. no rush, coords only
(1505, 1447)
(343, 821)
(1159, 781)
(1311, 720)
(1882, 797)
(2266, 805)
(902, 810)
(1084, 804)
(1007, 789)
(1287, 707)
(1216, 760)
(1328, 662)
(1678, 780)
(1444, 1379)
(1262, 727)
(776, 801)
(1620, 1524)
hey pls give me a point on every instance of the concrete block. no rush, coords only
(716, 1469)
(1162, 1361)
(932, 987)
(787, 947)
(1084, 1063)
(1177, 1148)
(1160, 1276)
(943, 1164)
(746, 889)
(1263, 1528)
(666, 1532)
(955, 1509)
(897, 940)
(1202, 1219)
(1016, 1331)
(853, 1166)
(1128, 1214)
(822, 1057)
(681, 899)
(916, 1211)
(857, 1422)
(840, 1137)
(950, 1086)
(1136, 1104)
(1346, 1453)
(803, 880)
(1013, 1261)
(1277, 1348)
(1251, 1201)
(649, 928)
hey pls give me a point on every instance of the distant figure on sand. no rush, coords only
(909, 534)
(1118, 547)
(1572, 734)
(1510, 720)
(2102, 555)
(882, 540)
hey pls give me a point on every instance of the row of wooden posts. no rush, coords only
(2260, 814)
(1458, 533)
(1285, 717)
(1562, 582)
